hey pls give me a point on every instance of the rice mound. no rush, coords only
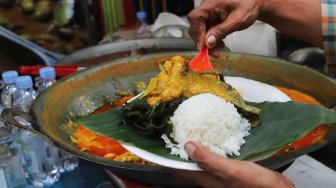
(209, 120)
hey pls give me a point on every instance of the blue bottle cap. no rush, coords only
(47, 73)
(9, 77)
(141, 15)
(24, 82)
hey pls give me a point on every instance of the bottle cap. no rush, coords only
(24, 82)
(47, 73)
(141, 15)
(9, 77)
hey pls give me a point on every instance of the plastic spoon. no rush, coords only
(201, 62)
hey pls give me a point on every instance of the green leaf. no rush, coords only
(109, 124)
(281, 124)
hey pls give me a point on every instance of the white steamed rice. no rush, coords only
(209, 120)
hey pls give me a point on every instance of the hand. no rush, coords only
(213, 20)
(224, 172)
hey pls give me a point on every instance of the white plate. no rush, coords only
(250, 90)
(255, 91)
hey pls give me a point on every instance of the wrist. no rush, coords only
(267, 10)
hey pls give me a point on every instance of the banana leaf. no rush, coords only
(281, 124)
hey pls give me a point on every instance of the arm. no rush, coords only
(224, 172)
(298, 18)
(213, 20)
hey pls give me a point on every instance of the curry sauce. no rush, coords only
(313, 136)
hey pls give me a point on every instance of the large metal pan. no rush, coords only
(85, 91)
(99, 54)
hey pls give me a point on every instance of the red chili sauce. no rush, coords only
(314, 135)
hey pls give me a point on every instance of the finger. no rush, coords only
(220, 31)
(243, 173)
(202, 18)
(210, 161)
(203, 179)
(214, 52)
(217, 16)
(197, 30)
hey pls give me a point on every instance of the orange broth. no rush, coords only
(96, 144)
(314, 135)
(93, 143)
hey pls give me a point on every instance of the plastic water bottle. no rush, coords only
(11, 172)
(39, 160)
(48, 77)
(143, 29)
(25, 94)
(66, 161)
(38, 157)
(7, 94)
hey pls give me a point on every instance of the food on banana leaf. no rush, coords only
(203, 117)
(176, 80)
(143, 121)
(91, 142)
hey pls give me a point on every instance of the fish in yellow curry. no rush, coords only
(176, 80)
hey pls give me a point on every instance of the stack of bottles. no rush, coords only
(26, 160)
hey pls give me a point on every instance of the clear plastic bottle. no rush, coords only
(11, 172)
(143, 29)
(66, 162)
(7, 94)
(48, 77)
(25, 94)
(39, 160)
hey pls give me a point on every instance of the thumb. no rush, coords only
(208, 160)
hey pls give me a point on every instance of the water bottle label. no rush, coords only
(30, 162)
(3, 183)
(27, 160)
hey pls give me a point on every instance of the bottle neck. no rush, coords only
(48, 80)
(142, 20)
(24, 89)
(7, 85)
(26, 92)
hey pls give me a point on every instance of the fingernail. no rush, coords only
(211, 40)
(190, 149)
